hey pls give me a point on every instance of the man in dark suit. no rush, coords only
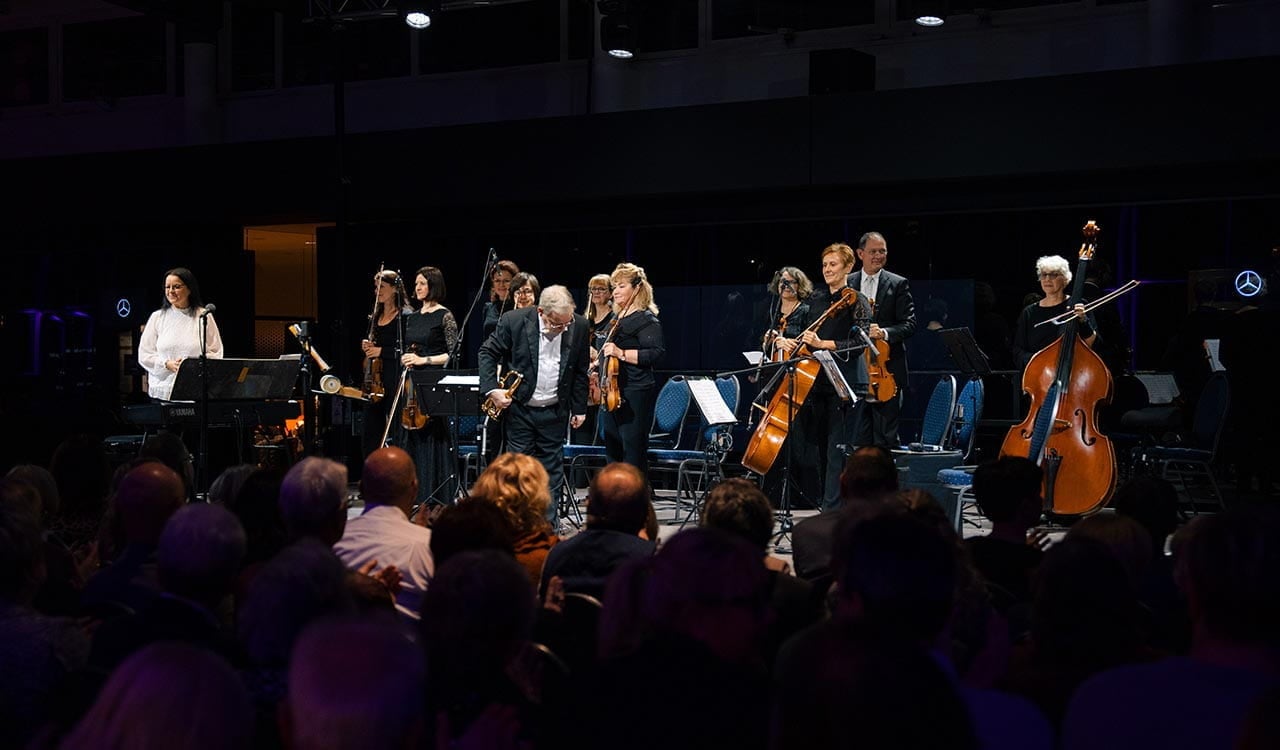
(547, 344)
(893, 321)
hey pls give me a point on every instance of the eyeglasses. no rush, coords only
(600, 289)
(552, 325)
(525, 290)
(1050, 274)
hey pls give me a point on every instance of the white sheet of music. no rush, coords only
(753, 358)
(461, 380)
(829, 366)
(710, 401)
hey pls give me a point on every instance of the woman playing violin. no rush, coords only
(637, 343)
(1054, 274)
(382, 346)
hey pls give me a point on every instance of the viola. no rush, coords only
(792, 389)
(881, 385)
(372, 386)
(1068, 384)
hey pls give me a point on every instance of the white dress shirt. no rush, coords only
(384, 533)
(544, 391)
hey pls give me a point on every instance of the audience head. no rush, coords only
(1153, 502)
(147, 496)
(1124, 537)
(471, 525)
(42, 481)
(22, 562)
(618, 499)
(168, 695)
(389, 478)
(896, 574)
(257, 506)
(709, 585)
(303, 583)
(1228, 566)
(477, 613)
(739, 507)
(354, 684)
(80, 468)
(224, 489)
(200, 552)
(172, 452)
(519, 485)
(1084, 611)
(1008, 489)
(869, 474)
(313, 499)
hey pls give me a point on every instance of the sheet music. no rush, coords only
(461, 380)
(829, 366)
(709, 400)
(1161, 387)
(753, 358)
(1212, 346)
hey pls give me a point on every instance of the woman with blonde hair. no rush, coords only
(635, 340)
(519, 486)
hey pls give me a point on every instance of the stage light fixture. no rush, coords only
(618, 35)
(930, 12)
(417, 19)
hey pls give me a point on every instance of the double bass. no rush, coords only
(793, 388)
(1068, 383)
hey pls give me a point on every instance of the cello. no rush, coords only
(1068, 383)
(793, 388)
(881, 385)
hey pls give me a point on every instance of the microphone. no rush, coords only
(784, 284)
(209, 309)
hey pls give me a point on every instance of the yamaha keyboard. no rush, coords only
(221, 413)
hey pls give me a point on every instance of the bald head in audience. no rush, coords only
(147, 496)
(389, 478)
(354, 684)
(618, 499)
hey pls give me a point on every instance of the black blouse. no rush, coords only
(643, 332)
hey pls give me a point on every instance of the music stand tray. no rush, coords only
(455, 393)
(238, 379)
(965, 352)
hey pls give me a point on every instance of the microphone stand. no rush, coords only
(202, 465)
(462, 329)
(308, 404)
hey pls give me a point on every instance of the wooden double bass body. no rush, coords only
(771, 433)
(1068, 383)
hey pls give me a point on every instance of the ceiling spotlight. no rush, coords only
(930, 12)
(930, 20)
(417, 19)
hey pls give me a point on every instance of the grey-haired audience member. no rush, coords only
(200, 553)
(313, 499)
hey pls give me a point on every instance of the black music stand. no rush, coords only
(454, 400)
(964, 350)
(231, 380)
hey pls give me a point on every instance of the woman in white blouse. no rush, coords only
(172, 333)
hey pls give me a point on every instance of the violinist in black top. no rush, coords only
(1054, 274)
(637, 343)
(384, 345)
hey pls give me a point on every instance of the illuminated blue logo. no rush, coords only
(123, 308)
(1248, 283)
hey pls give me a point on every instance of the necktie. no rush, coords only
(869, 287)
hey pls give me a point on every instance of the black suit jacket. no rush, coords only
(895, 312)
(514, 344)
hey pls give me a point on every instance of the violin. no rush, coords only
(373, 387)
(1068, 384)
(793, 388)
(880, 383)
(411, 416)
(607, 371)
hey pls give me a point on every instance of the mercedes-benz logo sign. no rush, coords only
(1248, 283)
(123, 308)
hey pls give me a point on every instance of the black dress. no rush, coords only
(375, 414)
(802, 449)
(1028, 339)
(434, 333)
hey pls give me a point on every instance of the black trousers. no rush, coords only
(626, 429)
(877, 423)
(539, 431)
(828, 422)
